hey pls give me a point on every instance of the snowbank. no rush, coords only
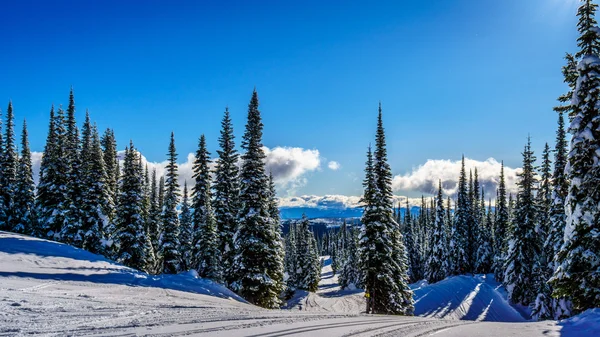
(477, 298)
(585, 324)
(27, 257)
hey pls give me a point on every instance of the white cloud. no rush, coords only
(336, 201)
(334, 165)
(425, 178)
(289, 165)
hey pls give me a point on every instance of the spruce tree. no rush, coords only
(307, 276)
(275, 219)
(382, 252)
(169, 245)
(72, 226)
(154, 225)
(486, 242)
(9, 172)
(437, 263)
(561, 307)
(24, 197)
(3, 224)
(207, 257)
(458, 243)
(524, 246)
(95, 197)
(578, 272)
(226, 192)
(51, 189)
(257, 264)
(291, 259)
(130, 236)
(111, 164)
(186, 236)
(501, 225)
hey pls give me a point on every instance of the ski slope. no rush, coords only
(47, 288)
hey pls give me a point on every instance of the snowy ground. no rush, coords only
(48, 288)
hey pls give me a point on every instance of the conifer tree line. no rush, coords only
(226, 226)
(543, 243)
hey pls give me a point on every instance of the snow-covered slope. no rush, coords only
(478, 298)
(47, 288)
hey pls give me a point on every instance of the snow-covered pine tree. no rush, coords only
(51, 189)
(382, 252)
(561, 307)
(291, 258)
(3, 210)
(169, 243)
(524, 245)
(130, 237)
(256, 242)
(474, 222)
(578, 272)
(226, 191)
(273, 208)
(72, 227)
(111, 167)
(207, 256)
(350, 276)
(484, 250)
(154, 226)
(24, 197)
(437, 263)
(95, 196)
(449, 220)
(460, 229)
(9, 171)
(186, 233)
(307, 276)
(409, 243)
(501, 225)
(542, 306)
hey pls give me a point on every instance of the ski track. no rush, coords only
(45, 290)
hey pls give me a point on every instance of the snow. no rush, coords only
(463, 297)
(48, 288)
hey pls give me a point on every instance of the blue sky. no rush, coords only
(454, 77)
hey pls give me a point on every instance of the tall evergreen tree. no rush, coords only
(437, 263)
(24, 197)
(154, 225)
(383, 255)
(72, 226)
(207, 257)
(226, 192)
(186, 234)
(130, 237)
(257, 244)
(524, 246)
(578, 272)
(485, 248)
(51, 189)
(8, 172)
(95, 197)
(307, 264)
(111, 166)
(169, 245)
(458, 243)
(350, 277)
(501, 228)
(561, 307)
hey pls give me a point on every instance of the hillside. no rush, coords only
(48, 288)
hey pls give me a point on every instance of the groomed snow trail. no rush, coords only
(47, 288)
